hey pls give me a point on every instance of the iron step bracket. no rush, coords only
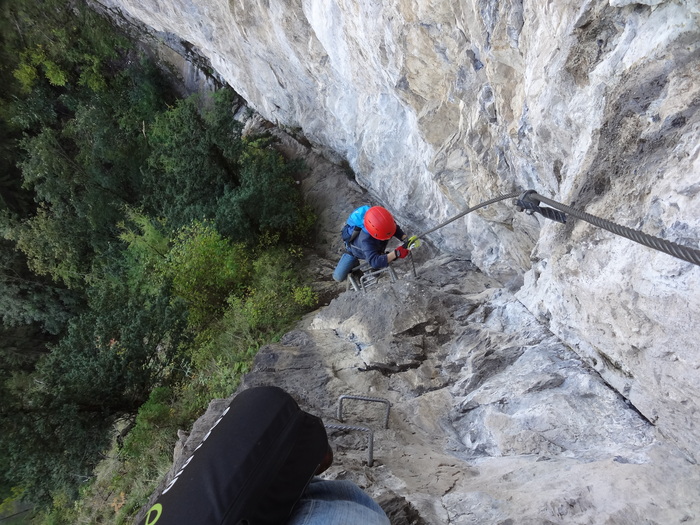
(369, 276)
(352, 281)
(364, 398)
(370, 439)
(372, 276)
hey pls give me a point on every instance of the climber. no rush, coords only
(259, 464)
(366, 236)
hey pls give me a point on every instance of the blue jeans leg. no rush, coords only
(338, 502)
(345, 265)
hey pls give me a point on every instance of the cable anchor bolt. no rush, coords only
(529, 203)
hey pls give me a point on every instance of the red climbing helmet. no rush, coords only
(380, 223)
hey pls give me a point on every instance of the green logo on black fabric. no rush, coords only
(156, 509)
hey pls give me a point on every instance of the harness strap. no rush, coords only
(356, 231)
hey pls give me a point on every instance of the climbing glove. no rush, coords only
(412, 242)
(401, 252)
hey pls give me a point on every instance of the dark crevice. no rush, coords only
(614, 364)
(388, 369)
(417, 329)
(629, 403)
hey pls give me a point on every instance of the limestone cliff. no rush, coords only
(493, 419)
(437, 105)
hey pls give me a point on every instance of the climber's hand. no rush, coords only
(401, 252)
(412, 242)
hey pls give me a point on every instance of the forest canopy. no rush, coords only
(147, 248)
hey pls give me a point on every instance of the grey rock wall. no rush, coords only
(493, 417)
(438, 105)
(492, 420)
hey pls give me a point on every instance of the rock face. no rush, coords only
(493, 418)
(438, 105)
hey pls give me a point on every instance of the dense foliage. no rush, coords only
(147, 251)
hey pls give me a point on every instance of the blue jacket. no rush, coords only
(372, 250)
(357, 218)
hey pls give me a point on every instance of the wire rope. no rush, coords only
(684, 253)
(473, 208)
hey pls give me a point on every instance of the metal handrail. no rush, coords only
(364, 398)
(370, 439)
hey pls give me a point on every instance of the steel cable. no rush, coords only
(684, 253)
(474, 208)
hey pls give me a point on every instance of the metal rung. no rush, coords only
(371, 276)
(352, 281)
(370, 439)
(364, 398)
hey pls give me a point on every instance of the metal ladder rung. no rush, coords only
(368, 399)
(369, 277)
(370, 439)
(369, 431)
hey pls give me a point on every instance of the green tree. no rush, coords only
(28, 299)
(82, 169)
(147, 243)
(13, 198)
(63, 43)
(53, 247)
(190, 164)
(205, 269)
(200, 168)
(122, 223)
(72, 130)
(56, 421)
(51, 447)
(266, 199)
(113, 355)
(275, 297)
